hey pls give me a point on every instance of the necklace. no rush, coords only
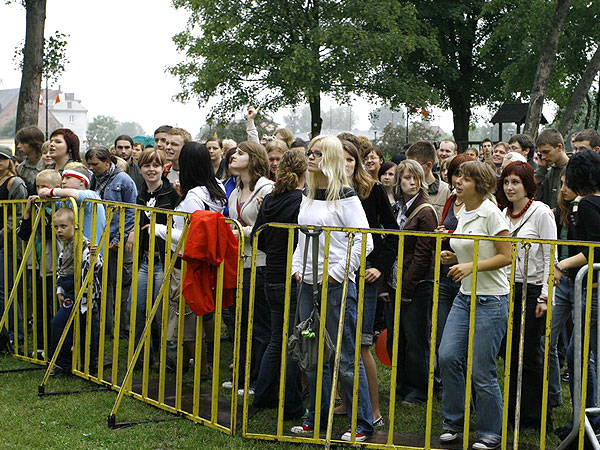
(519, 214)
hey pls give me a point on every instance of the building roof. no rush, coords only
(513, 113)
(7, 96)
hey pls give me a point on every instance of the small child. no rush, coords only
(65, 231)
(46, 179)
(75, 183)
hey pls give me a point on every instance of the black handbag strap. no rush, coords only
(314, 236)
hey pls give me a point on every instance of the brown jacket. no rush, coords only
(419, 252)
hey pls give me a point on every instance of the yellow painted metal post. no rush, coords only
(547, 334)
(117, 297)
(44, 274)
(90, 288)
(5, 261)
(432, 347)
(470, 345)
(338, 350)
(165, 311)
(214, 405)
(286, 325)
(134, 285)
(395, 338)
(323, 313)
(507, 357)
(586, 345)
(149, 298)
(358, 337)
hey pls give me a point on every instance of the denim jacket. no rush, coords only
(121, 189)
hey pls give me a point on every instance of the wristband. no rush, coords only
(542, 300)
(563, 271)
(52, 192)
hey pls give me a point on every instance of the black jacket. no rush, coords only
(166, 198)
(380, 215)
(279, 208)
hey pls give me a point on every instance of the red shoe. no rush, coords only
(303, 429)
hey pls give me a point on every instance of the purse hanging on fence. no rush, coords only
(303, 344)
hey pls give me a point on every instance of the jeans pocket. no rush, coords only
(334, 293)
(489, 300)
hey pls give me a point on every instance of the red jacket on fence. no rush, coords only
(210, 241)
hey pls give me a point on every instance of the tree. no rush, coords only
(394, 137)
(102, 130)
(466, 72)
(130, 128)
(579, 94)
(280, 53)
(544, 69)
(33, 51)
(382, 116)
(236, 130)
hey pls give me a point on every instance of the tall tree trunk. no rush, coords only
(33, 64)
(578, 95)
(461, 114)
(597, 115)
(316, 121)
(544, 69)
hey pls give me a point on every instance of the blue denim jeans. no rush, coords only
(562, 309)
(140, 311)
(346, 377)
(491, 315)
(369, 309)
(447, 293)
(267, 385)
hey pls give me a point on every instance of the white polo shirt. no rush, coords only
(487, 220)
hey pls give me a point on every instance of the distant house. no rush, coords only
(64, 111)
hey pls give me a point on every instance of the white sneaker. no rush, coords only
(227, 384)
(448, 436)
(250, 391)
(347, 436)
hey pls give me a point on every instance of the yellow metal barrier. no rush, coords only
(190, 396)
(28, 307)
(125, 361)
(423, 434)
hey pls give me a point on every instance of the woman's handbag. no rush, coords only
(303, 344)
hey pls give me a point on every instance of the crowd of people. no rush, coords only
(520, 188)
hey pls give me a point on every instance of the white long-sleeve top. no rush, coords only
(537, 223)
(197, 198)
(346, 212)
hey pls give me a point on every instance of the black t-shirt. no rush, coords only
(588, 224)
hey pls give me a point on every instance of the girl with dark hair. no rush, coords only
(564, 293)
(249, 163)
(474, 186)
(583, 177)
(64, 148)
(199, 190)
(386, 175)
(282, 206)
(156, 192)
(379, 215)
(529, 219)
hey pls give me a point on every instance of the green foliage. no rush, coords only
(339, 117)
(9, 128)
(521, 30)
(55, 56)
(286, 52)
(104, 129)
(394, 137)
(382, 116)
(236, 130)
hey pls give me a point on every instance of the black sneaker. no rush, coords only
(484, 445)
(448, 436)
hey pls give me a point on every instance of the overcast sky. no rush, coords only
(118, 52)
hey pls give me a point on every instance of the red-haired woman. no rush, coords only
(532, 220)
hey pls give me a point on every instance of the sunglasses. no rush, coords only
(313, 152)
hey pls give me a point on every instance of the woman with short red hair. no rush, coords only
(532, 220)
